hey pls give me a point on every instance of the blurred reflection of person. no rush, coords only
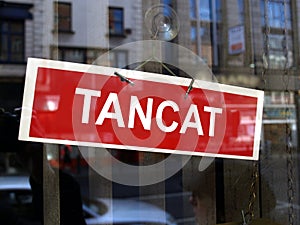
(70, 203)
(66, 157)
(203, 188)
(32, 157)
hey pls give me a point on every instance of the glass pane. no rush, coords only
(64, 24)
(122, 59)
(3, 48)
(224, 193)
(74, 55)
(275, 41)
(60, 54)
(205, 33)
(275, 11)
(117, 15)
(16, 27)
(194, 39)
(241, 10)
(205, 10)
(206, 52)
(277, 59)
(64, 9)
(17, 48)
(192, 9)
(17, 44)
(3, 26)
(278, 16)
(63, 16)
(193, 34)
(219, 9)
(262, 9)
(112, 59)
(118, 28)
(116, 21)
(277, 56)
(12, 41)
(167, 2)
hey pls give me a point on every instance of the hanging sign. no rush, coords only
(236, 39)
(88, 105)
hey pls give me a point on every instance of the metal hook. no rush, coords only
(189, 88)
(122, 78)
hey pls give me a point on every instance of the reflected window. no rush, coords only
(72, 55)
(118, 59)
(277, 56)
(202, 9)
(241, 11)
(167, 2)
(193, 38)
(193, 9)
(202, 13)
(63, 16)
(205, 10)
(12, 41)
(219, 10)
(276, 17)
(116, 21)
(277, 13)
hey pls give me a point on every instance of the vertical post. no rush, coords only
(198, 27)
(214, 33)
(51, 199)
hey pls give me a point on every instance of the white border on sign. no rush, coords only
(30, 81)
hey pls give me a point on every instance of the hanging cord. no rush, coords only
(248, 217)
(266, 49)
(290, 171)
(288, 131)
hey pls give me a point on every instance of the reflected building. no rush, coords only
(245, 43)
(251, 44)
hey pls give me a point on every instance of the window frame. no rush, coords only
(202, 41)
(9, 33)
(58, 18)
(114, 58)
(278, 28)
(121, 22)
(62, 51)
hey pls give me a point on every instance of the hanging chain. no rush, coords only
(288, 131)
(248, 217)
(290, 165)
(285, 46)
(266, 48)
(290, 172)
(289, 146)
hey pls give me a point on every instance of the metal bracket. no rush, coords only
(189, 88)
(123, 78)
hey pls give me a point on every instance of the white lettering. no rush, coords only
(159, 113)
(136, 107)
(87, 102)
(212, 119)
(193, 111)
(191, 120)
(112, 99)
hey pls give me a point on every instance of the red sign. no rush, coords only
(68, 103)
